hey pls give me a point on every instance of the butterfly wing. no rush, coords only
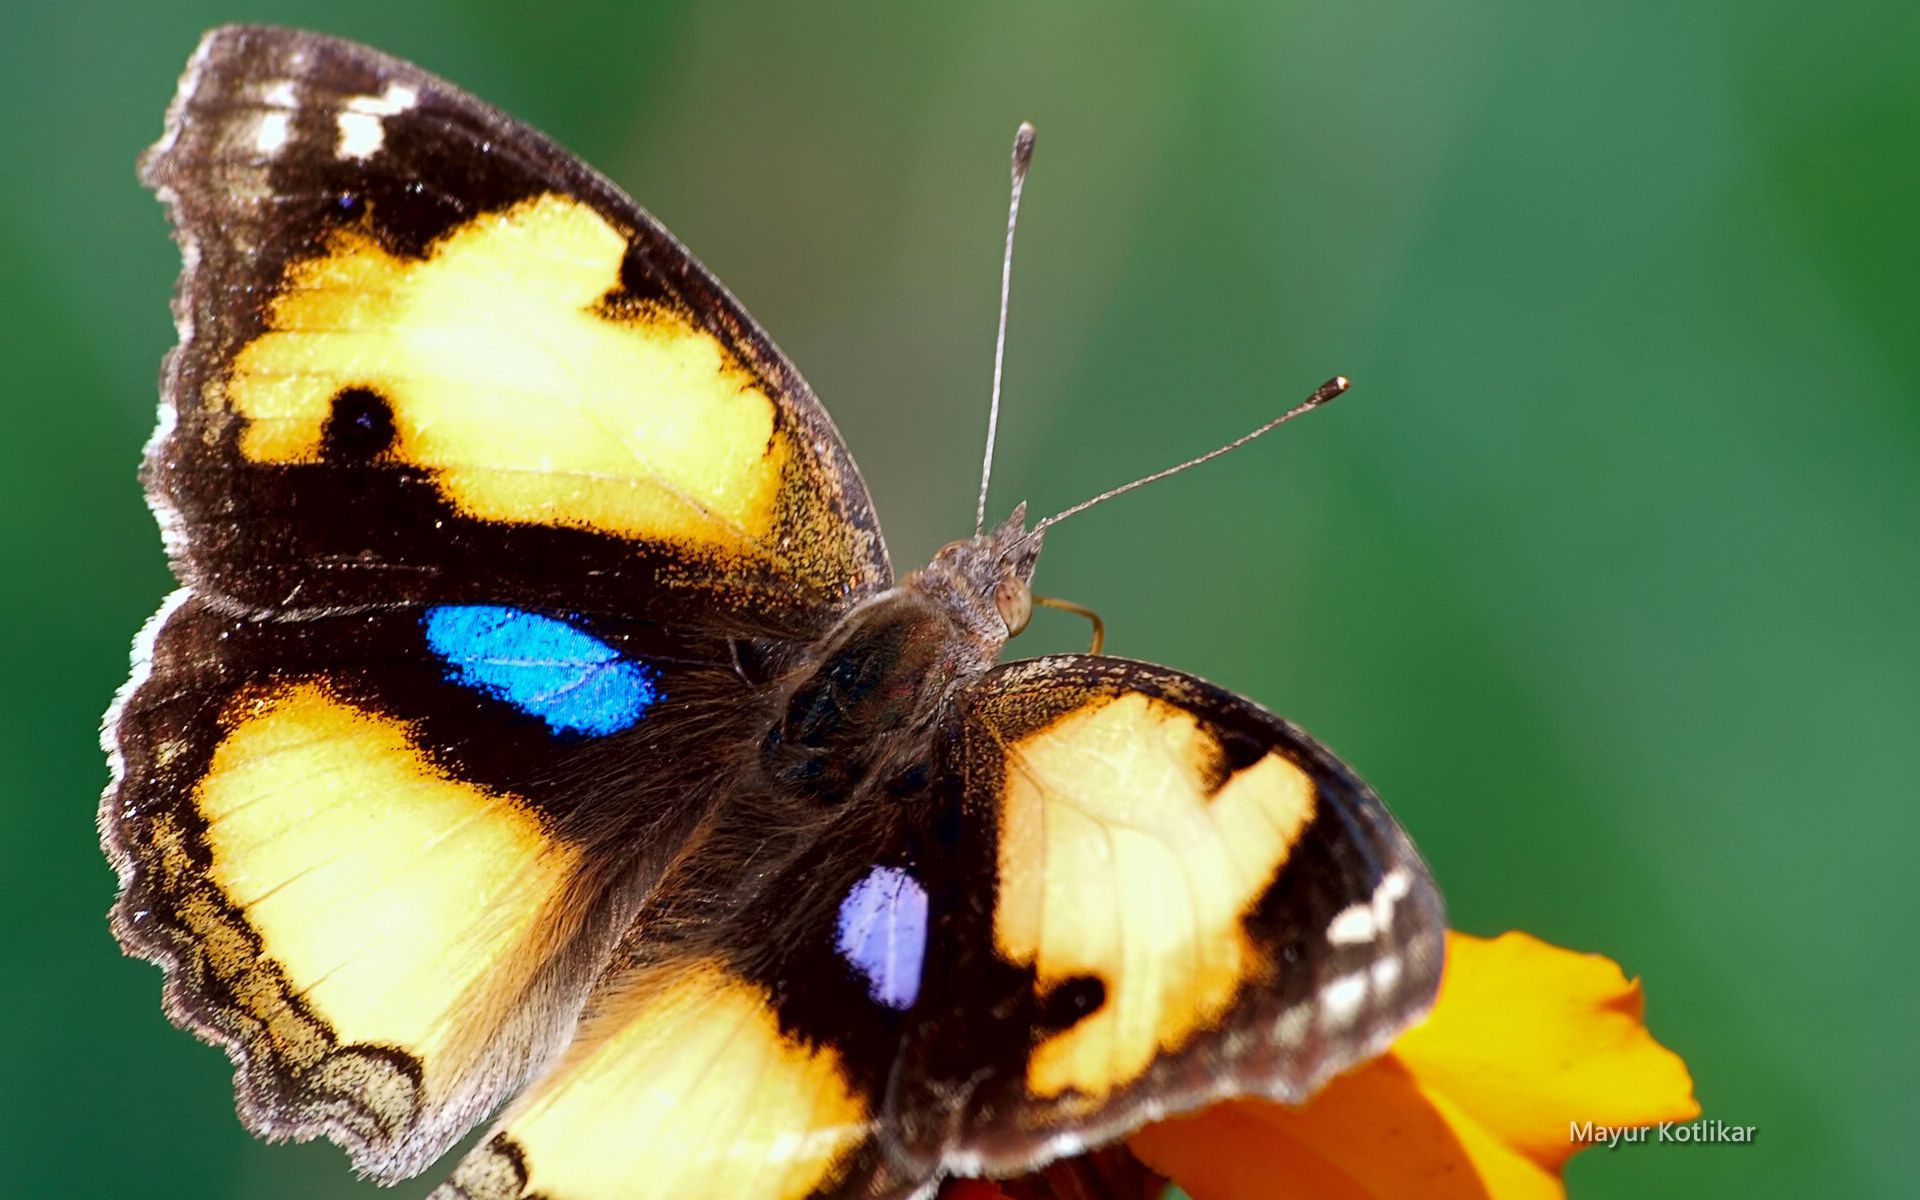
(1121, 893)
(1191, 899)
(741, 1045)
(425, 354)
(477, 482)
(384, 855)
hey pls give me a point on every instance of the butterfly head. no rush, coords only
(986, 581)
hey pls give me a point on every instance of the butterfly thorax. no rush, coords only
(861, 708)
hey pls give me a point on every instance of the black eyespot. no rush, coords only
(641, 281)
(360, 427)
(1233, 753)
(1240, 751)
(1072, 1001)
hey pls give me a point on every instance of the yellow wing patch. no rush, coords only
(1119, 859)
(529, 398)
(392, 896)
(695, 1094)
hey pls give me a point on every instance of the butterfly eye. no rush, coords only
(1015, 603)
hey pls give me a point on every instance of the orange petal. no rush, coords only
(1476, 1103)
(1529, 1039)
(1372, 1134)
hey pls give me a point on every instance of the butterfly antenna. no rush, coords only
(1022, 159)
(1325, 392)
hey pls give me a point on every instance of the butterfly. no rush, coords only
(541, 731)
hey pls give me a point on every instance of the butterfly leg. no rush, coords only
(1079, 610)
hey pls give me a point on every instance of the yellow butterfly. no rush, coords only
(540, 723)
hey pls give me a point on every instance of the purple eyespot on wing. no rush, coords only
(883, 934)
(542, 666)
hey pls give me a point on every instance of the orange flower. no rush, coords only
(1480, 1102)
(1526, 1042)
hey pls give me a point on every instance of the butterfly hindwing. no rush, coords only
(1189, 898)
(427, 355)
(384, 855)
(744, 1042)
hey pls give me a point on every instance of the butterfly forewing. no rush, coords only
(428, 355)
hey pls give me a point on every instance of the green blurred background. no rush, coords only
(1605, 574)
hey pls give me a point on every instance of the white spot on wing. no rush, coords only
(1291, 1028)
(360, 134)
(1064, 1145)
(1353, 926)
(398, 98)
(1358, 923)
(279, 95)
(361, 123)
(272, 132)
(1340, 1000)
(1393, 888)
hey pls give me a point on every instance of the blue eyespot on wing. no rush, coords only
(883, 934)
(544, 667)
